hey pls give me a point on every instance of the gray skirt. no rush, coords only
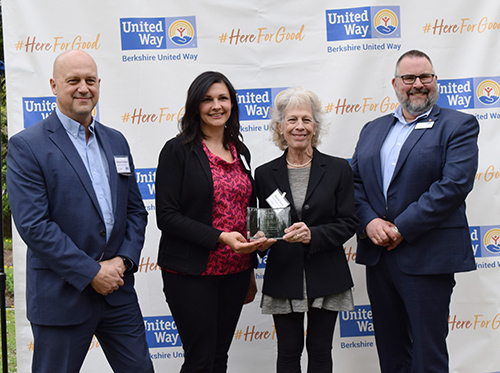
(334, 302)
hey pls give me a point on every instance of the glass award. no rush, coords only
(268, 222)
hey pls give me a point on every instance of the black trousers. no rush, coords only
(290, 331)
(206, 310)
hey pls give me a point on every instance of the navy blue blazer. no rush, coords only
(184, 200)
(329, 212)
(426, 196)
(57, 214)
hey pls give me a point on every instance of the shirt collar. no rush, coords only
(71, 126)
(398, 113)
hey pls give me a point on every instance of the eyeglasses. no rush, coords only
(410, 79)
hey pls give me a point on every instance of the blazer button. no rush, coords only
(102, 233)
(306, 207)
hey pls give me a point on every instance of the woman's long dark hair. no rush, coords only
(189, 125)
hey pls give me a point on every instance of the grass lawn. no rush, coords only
(11, 341)
(11, 323)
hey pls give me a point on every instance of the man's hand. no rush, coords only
(109, 277)
(393, 244)
(383, 233)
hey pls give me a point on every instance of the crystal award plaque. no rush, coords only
(268, 222)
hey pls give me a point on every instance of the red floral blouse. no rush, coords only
(232, 193)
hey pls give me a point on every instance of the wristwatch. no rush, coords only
(128, 263)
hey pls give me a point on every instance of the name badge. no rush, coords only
(122, 165)
(424, 125)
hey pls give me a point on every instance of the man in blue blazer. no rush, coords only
(76, 204)
(412, 171)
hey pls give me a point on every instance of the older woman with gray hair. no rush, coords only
(306, 271)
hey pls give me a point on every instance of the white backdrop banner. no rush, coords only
(345, 50)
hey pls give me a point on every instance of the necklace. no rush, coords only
(298, 165)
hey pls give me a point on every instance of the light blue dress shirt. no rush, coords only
(389, 153)
(95, 162)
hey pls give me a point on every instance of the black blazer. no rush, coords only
(184, 196)
(329, 213)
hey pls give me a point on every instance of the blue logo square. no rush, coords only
(143, 33)
(357, 323)
(348, 24)
(146, 180)
(36, 109)
(456, 94)
(181, 32)
(161, 331)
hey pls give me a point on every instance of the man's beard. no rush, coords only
(417, 109)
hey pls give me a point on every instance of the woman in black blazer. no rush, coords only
(307, 271)
(203, 189)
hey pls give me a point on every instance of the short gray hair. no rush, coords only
(294, 97)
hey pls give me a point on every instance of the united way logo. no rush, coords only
(485, 241)
(182, 32)
(456, 93)
(255, 104)
(161, 331)
(36, 109)
(469, 93)
(146, 178)
(356, 323)
(385, 22)
(158, 33)
(488, 92)
(491, 241)
(142, 33)
(363, 23)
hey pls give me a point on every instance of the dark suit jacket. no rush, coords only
(58, 216)
(434, 173)
(184, 196)
(328, 211)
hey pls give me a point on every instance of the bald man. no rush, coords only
(76, 205)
